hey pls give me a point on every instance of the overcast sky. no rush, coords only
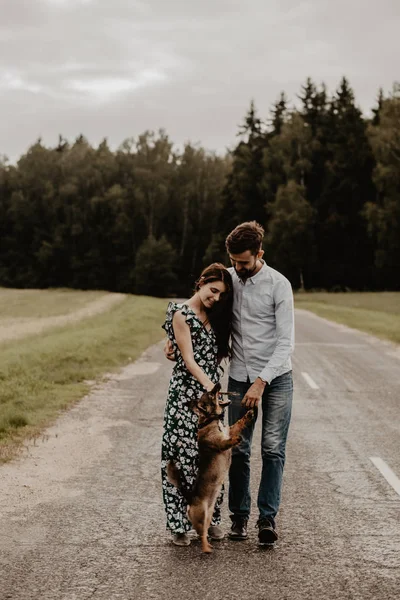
(114, 68)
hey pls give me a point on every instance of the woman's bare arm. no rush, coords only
(184, 341)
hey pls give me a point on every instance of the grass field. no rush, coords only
(377, 313)
(43, 303)
(43, 374)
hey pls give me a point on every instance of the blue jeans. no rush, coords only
(276, 412)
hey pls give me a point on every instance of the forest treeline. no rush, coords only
(322, 179)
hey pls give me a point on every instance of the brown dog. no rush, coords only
(215, 449)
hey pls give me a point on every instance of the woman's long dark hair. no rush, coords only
(220, 315)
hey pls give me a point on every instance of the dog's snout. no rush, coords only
(223, 402)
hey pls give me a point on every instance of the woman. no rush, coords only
(199, 331)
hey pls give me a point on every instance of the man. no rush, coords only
(260, 373)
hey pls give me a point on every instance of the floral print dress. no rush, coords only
(179, 441)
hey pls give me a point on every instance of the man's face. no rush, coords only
(245, 263)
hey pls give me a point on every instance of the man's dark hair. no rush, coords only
(246, 236)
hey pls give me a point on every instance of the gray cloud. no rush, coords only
(117, 68)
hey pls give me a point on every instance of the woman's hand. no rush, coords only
(210, 386)
(169, 351)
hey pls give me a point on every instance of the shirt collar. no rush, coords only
(254, 278)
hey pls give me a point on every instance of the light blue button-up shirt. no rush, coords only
(262, 326)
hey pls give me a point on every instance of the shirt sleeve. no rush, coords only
(284, 319)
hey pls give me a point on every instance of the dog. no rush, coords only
(216, 441)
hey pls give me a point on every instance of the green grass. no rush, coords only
(43, 303)
(44, 374)
(377, 313)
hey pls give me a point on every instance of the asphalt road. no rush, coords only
(81, 513)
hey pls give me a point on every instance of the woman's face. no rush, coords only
(211, 292)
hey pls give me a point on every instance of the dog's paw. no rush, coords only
(207, 549)
(249, 416)
(236, 439)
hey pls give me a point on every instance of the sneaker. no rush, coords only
(239, 528)
(181, 539)
(192, 533)
(216, 533)
(267, 535)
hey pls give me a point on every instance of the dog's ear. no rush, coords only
(192, 404)
(215, 389)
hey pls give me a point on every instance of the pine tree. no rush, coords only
(290, 216)
(384, 215)
(278, 115)
(345, 252)
(377, 110)
(243, 193)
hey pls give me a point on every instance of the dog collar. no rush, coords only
(211, 419)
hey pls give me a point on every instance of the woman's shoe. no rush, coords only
(216, 533)
(181, 539)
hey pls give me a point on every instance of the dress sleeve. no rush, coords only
(167, 326)
(171, 310)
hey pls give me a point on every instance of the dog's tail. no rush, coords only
(174, 477)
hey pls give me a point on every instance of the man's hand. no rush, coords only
(169, 350)
(254, 394)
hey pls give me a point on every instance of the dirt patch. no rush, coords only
(14, 329)
(78, 439)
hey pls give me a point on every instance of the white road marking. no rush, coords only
(333, 344)
(387, 472)
(310, 381)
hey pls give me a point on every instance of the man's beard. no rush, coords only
(246, 273)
